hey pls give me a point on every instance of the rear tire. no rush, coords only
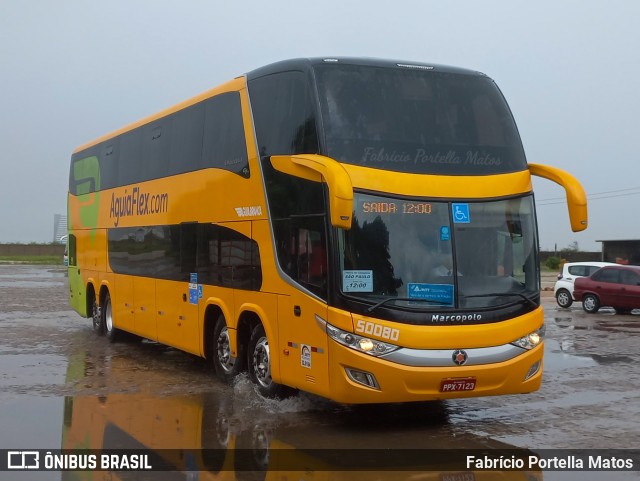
(96, 316)
(110, 330)
(226, 366)
(563, 298)
(591, 303)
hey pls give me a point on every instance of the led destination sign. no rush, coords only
(395, 207)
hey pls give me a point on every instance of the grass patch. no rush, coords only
(40, 260)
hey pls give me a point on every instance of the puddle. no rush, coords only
(30, 422)
(30, 284)
(30, 272)
(32, 369)
(557, 359)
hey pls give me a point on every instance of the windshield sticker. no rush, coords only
(461, 213)
(357, 281)
(445, 233)
(441, 293)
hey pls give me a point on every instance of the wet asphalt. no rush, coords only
(62, 386)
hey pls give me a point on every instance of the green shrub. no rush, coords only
(553, 262)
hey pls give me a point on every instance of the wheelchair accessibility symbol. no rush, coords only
(461, 213)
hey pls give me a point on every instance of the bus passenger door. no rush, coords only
(304, 341)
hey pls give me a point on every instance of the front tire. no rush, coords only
(110, 330)
(591, 303)
(259, 365)
(226, 366)
(563, 298)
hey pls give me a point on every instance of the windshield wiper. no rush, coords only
(505, 294)
(384, 301)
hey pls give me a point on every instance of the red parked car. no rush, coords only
(614, 286)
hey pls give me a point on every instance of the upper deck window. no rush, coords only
(419, 121)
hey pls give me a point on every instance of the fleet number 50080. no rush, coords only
(378, 330)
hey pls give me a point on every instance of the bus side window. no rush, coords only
(71, 250)
(308, 254)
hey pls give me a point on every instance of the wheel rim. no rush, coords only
(261, 363)
(108, 317)
(590, 303)
(563, 298)
(225, 359)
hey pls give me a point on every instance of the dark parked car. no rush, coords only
(613, 286)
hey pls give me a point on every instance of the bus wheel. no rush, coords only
(96, 316)
(259, 360)
(226, 366)
(107, 320)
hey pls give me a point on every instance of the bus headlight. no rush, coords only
(531, 340)
(372, 347)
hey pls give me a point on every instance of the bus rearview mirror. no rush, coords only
(576, 197)
(319, 168)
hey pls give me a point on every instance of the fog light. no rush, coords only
(362, 377)
(533, 370)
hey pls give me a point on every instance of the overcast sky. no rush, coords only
(73, 70)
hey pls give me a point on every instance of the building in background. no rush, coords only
(59, 228)
(621, 251)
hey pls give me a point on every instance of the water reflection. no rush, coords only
(590, 339)
(154, 398)
(236, 445)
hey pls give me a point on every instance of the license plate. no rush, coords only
(458, 384)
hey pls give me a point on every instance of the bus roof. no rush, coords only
(305, 63)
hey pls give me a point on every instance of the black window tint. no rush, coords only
(109, 155)
(224, 140)
(301, 244)
(284, 119)
(167, 252)
(187, 128)
(283, 114)
(188, 248)
(130, 161)
(219, 255)
(71, 250)
(412, 120)
(629, 278)
(155, 149)
(227, 258)
(607, 275)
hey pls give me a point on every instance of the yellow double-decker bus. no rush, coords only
(360, 229)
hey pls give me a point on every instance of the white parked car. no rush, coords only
(563, 290)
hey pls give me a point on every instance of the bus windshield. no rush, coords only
(440, 255)
(418, 121)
